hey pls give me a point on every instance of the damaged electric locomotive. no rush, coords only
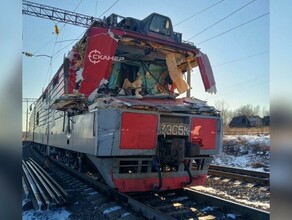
(113, 104)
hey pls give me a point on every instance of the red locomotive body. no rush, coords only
(113, 103)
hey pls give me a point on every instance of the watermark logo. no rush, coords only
(96, 56)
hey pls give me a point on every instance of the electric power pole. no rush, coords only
(27, 100)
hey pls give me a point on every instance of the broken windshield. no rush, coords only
(139, 79)
(148, 69)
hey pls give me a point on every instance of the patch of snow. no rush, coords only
(207, 209)
(57, 214)
(92, 193)
(112, 209)
(222, 194)
(87, 189)
(25, 201)
(125, 214)
(205, 189)
(251, 139)
(179, 199)
(245, 151)
(170, 194)
(232, 216)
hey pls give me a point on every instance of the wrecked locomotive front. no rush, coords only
(115, 104)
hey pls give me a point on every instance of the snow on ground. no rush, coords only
(223, 194)
(245, 151)
(112, 209)
(56, 214)
(242, 151)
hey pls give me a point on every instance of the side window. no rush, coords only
(37, 118)
(44, 95)
(113, 81)
(160, 25)
(55, 80)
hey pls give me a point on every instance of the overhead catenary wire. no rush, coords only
(109, 8)
(78, 38)
(35, 55)
(233, 28)
(65, 23)
(105, 12)
(49, 72)
(246, 82)
(188, 18)
(234, 88)
(96, 3)
(217, 22)
(45, 44)
(242, 58)
(62, 41)
(73, 11)
(241, 89)
(72, 41)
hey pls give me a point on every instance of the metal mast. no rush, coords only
(27, 100)
(57, 14)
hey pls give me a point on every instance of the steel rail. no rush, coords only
(44, 183)
(129, 202)
(37, 188)
(246, 212)
(51, 179)
(251, 176)
(47, 201)
(241, 171)
(151, 212)
(50, 184)
(33, 188)
(25, 189)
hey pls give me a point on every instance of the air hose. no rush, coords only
(189, 173)
(157, 168)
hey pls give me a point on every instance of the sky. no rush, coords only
(234, 34)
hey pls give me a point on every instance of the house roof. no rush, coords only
(253, 120)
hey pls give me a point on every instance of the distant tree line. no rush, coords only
(246, 110)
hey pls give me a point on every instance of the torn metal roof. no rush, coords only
(181, 105)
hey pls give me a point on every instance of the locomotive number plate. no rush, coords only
(174, 129)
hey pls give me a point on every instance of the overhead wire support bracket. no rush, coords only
(57, 14)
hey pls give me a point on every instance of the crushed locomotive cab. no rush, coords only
(114, 102)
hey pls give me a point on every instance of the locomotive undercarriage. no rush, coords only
(151, 173)
(174, 165)
(171, 167)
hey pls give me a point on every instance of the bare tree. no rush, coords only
(256, 110)
(265, 112)
(226, 114)
(246, 110)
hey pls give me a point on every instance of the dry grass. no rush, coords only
(246, 131)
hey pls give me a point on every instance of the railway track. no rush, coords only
(89, 198)
(178, 204)
(250, 176)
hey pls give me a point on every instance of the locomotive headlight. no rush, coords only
(68, 130)
(68, 134)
